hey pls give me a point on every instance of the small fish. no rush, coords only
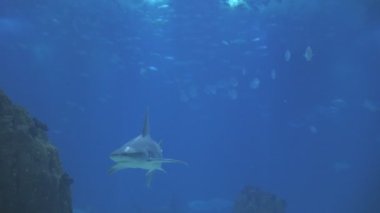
(371, 106)
(308, 53)
(273, 74)
(243, 71)
(225, 42)
(163, 6)
(152, 68)
(262, 47)
(313, 129)
(169, 58)
(256, 39)
(12, 26)
(255, 83)
(287, 55)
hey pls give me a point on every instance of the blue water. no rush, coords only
(221, 94)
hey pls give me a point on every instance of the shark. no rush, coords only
(141, 152)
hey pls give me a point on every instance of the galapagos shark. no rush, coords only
(142, 152)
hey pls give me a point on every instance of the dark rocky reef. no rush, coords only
(254, 200)
(31, 177)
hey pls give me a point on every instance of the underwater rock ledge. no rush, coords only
(254, 200)
(31, 176)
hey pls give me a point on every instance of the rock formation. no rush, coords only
(31, 177)
(254, 200)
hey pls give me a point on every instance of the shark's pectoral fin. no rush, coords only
(161, 169)
(149, 175)
(116, 167)
(149, 178)
(167, 160)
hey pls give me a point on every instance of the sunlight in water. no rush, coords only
(235, 3)
(139, 4)
(156, 2)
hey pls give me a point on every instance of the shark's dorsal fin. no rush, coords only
(146, 128)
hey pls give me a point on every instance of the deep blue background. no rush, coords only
(90, 69)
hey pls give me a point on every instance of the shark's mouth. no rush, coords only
(134, 155)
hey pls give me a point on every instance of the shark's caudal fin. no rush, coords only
(146, 128)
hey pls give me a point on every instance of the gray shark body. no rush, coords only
(142, 152)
